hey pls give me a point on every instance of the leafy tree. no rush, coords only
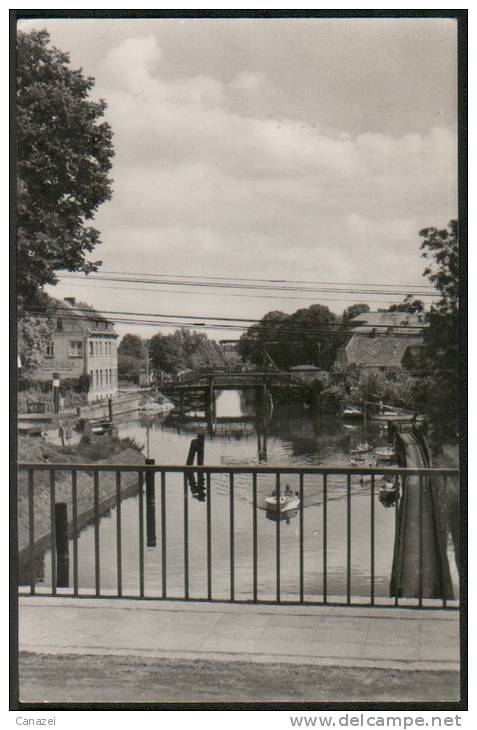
(129, 366)
(132, 346)
(34, 333)
(353, 311)
(306, 337)
(440, 248)
(64, 157)
(408, 304)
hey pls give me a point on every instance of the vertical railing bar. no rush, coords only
(209, 538)
(348, 539)
(74, 500)
(141, 532)
(444, 600)
(277, 540)
(96, 533)
(254, 531)
(186, 539)
(421, 501)
(325, 537)
(163, 535)
(31, 528)
(119, 566)
(302, 591)
(232, 537)
(53, 531)
(372, 540)
(396, 524)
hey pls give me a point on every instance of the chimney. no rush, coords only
(70, 300)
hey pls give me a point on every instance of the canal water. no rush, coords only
(292, 436)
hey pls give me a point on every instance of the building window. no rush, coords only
(106, 378)
(91, 379)
(100, 348)
(50, 350)
(97, 379)
(101, 378)
(110, 376)
(91, 348)
(59, 324)
(75, 348)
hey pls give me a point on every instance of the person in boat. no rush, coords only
(288, 491)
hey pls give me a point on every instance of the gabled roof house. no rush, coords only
(84, 342)
(383, 339)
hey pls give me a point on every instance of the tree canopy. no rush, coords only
(440, 248)
(309, 336)
(64, 159)
(184, 349)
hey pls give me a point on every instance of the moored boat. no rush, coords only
(385, 453)
(352, 412)
(362, 448)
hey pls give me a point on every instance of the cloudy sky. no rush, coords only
(308, 150)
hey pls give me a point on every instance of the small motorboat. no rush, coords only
(285, 504)
(352, 412)
(385, 453)
(101, 426)
(366, 461)
(362, 448)
(388, 492)
(152, 407)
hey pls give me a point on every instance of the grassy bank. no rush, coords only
(97, 450)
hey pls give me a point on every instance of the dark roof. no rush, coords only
(88, 317)
(366, 321)
(379, 351)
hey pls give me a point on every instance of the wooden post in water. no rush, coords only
(200, 458)
(62, 551)
(150, 507)
(110, 409)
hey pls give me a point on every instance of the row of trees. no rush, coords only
(309, 336)
(171, 353)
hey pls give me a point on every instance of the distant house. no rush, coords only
(384, 340)
(83, 343)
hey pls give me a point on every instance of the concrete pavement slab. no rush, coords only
(326, 635)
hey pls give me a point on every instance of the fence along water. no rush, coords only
(431, 591)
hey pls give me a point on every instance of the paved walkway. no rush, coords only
(354, 637)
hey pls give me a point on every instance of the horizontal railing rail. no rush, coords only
(239, 469)
(242, 559)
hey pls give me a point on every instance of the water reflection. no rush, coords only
(289, 436)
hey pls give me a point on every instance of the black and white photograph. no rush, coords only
(238, 265)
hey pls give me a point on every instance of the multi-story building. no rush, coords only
(84, 343)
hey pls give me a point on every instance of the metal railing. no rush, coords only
(38, 485)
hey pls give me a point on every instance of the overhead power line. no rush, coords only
(257, 280)
(273, 322)
(288, 328)
(229, 294)
(251, 287)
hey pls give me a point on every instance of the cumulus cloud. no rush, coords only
(193, 169)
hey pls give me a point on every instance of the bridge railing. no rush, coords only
(218, 537)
